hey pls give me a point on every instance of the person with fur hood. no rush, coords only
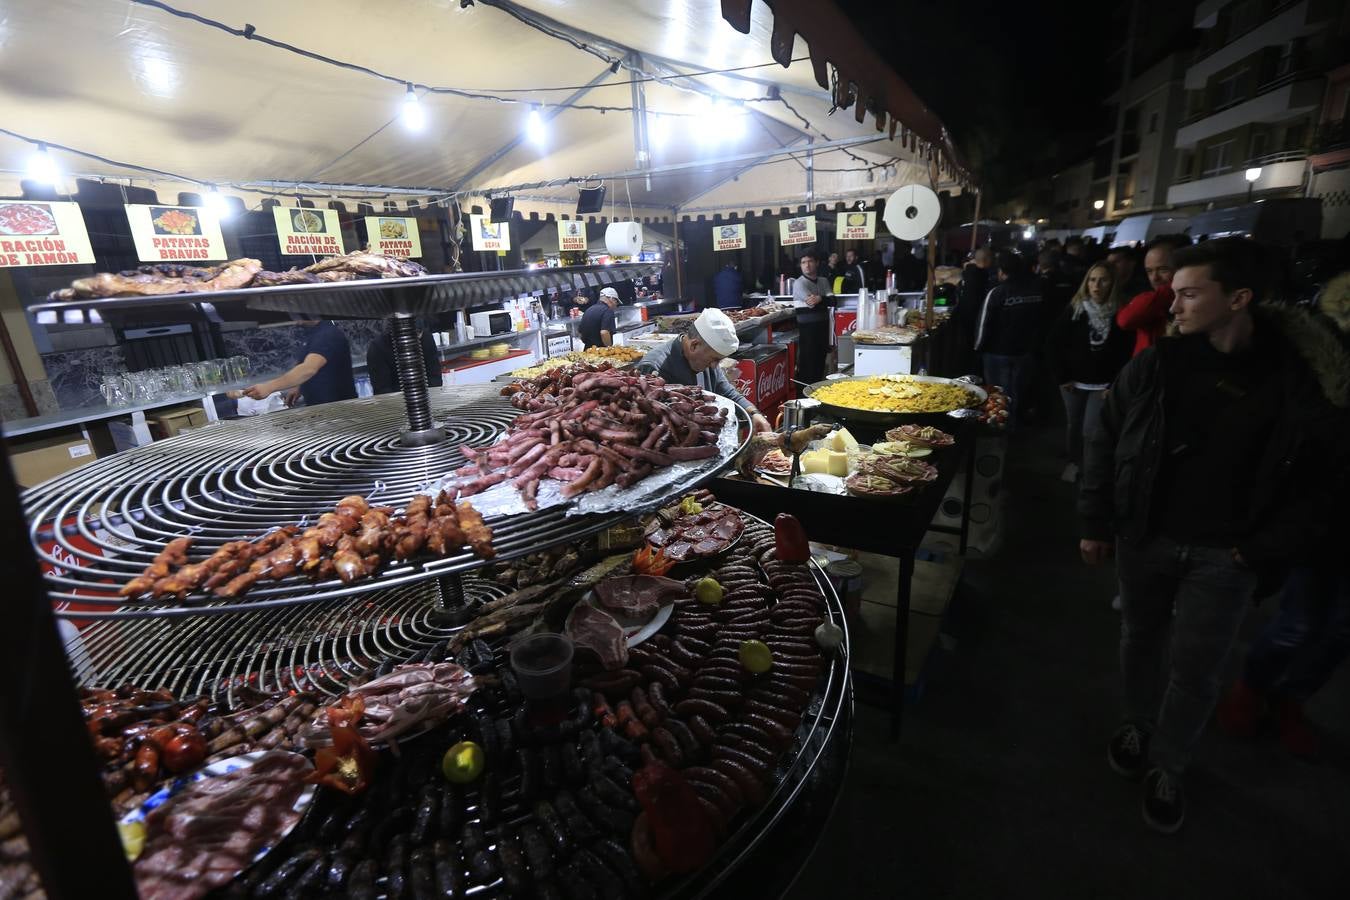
(1206, 476)
(1310, 636)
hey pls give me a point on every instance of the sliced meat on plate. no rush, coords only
(598, 631)
(710, 546)
(637, 596)
(679, 550)
(692, 533)
(658, 537)
(727, 530)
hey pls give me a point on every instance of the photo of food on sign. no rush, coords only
(172, 220)
(857, 220)
(27, 218)
(573, 229)
(307, 221)
(393, 229)
(489, 230)
(728, 232)
(797, 225)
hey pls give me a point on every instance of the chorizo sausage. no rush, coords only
(705, 708)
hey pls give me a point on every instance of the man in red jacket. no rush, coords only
(1146, 314)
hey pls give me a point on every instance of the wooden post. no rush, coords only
(975, 225)
(932, 282)
(679, 261)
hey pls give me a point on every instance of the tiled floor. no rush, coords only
(999, 786)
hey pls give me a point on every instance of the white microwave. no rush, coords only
(489, 323)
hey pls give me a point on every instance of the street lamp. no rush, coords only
(1252, 175)
(1098, 204)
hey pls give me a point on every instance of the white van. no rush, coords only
(1137, 231)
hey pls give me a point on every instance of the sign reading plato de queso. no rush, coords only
(308, 232)
(489, 235)
(572, 236)
(801, 230)
(728, 237)
(856, 226)
(42, 234)
(175, 233)
(394, 236)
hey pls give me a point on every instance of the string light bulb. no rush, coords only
(414, 117)
(42, 168)
(535, 128)
(216, 202)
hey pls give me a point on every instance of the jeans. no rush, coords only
(1013, 374)
(1199, 595)
(1083, 409)
(1307, 639)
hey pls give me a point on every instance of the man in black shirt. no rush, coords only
(1203, 470)
(597, 322)
(322, 374)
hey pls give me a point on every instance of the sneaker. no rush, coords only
(1128, 750)
(1164, 801)
(1240, 710)
(1070, 473)
(1295, 734)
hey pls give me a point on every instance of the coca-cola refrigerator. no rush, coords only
(762, 375)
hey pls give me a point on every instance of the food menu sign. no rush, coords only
(42, 234)
(489, 235)
(175, 233)
(394, 236)
(572, 236)
(728, 237)
(308, 232)
(856, 226)
(801, 230)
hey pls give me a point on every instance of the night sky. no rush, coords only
(1019, 85)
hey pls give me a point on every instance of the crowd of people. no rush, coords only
(1207, 427)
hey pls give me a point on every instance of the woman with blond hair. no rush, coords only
(1085, 349)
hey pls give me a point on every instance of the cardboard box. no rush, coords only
(167, 423)
(37, 458)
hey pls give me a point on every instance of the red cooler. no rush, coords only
(763, 377)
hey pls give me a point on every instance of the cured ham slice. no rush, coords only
(598, 631)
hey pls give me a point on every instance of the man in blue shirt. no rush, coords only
(323, 373)
(728, 286)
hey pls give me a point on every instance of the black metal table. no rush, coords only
(885, 527)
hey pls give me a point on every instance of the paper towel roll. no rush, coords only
(623, 239)
(912, 212)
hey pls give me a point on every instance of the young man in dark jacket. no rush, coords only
(1204, 471)
(1011, 328)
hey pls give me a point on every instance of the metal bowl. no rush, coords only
(977, 395)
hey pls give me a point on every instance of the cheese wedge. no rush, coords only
(813, 462)
(841, 441)
(836, 463)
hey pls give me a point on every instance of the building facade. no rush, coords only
(1253, 96)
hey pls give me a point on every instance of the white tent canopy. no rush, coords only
(134, 83)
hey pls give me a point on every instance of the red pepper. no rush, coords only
(345, 766)
(647, 562)
(790, 543)
(346, 712)
(680, 828)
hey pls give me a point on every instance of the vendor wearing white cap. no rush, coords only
(693, 357)
(597, 322)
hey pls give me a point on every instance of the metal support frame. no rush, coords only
(548, 115)
(48, 759)
(412, 378)
(811, 173)
(642, 149)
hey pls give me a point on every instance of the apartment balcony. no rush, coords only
(1281, 99)
(1286, 25)
(1279, 171)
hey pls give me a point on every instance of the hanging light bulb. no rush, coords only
(42, 168)
(414, 117)
(535, 128)
(216, 202)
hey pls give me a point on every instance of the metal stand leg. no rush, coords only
(412, 377)
(965, 500)
(453, 609)
(904, 585)
(48, 760)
